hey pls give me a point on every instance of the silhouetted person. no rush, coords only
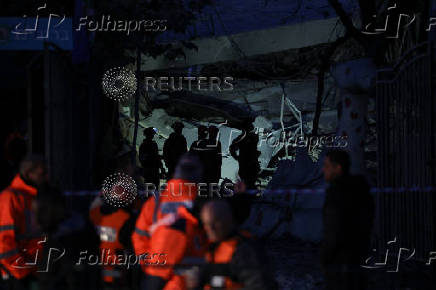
(246, 145)
(213, 166)
(347, 222)
(200, 144)
(149, 158)
(200, 148)
(174, 147)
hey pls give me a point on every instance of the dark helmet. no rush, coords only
(177, 124)
(202, 131)
(149, 131)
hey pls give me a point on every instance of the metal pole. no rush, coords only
(138, 93)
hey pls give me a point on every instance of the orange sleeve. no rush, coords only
(141, 235)
(11, 256)
(172, 244)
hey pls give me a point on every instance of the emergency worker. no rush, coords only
(20, 238)
(166, 227)
(114, 227)
(235, 260)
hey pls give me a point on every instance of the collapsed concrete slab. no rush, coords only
(293, 201)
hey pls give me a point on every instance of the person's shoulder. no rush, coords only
(9, 193)
(350, 181)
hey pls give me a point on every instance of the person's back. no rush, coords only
(180, 239)
(174, 147)
(248, 146)
(114, 227)
(149, 154)
(247, 158)
(180, 193)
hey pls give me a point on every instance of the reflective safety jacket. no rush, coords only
(180, 238)
(178, 193)
(235, 263)
(108, 227)
(20, 240)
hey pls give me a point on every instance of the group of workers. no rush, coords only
(207, 147)
(183, 240)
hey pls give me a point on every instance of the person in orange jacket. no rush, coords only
(180, 191)
(153, 233)
(180, 243)
(20, 239)
(234, 259)
(114, 227)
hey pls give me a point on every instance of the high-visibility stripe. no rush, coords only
(165, 221)
(8, 254)
(142, 232)
(7, 227)
(172, 206)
